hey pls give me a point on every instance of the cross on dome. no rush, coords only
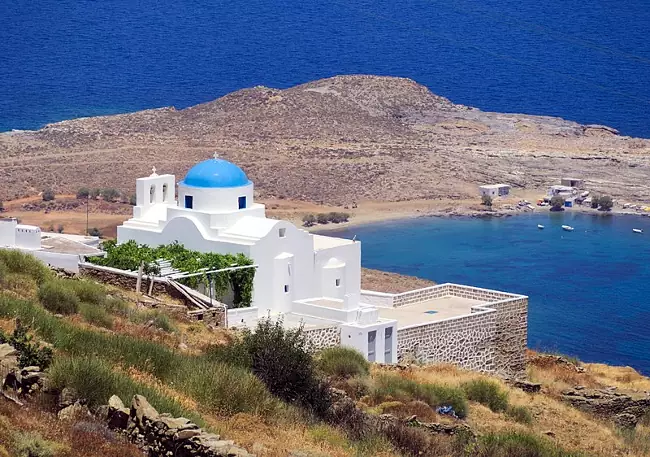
(215, 155)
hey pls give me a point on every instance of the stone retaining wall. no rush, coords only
(467, 341)
(493, 338)
(124, 279)
(321, 338)
(511, 336)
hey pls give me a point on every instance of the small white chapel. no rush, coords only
(300, 275)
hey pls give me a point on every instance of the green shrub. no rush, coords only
(48, 195)
(117, 306)
(15, 261)
(88, 291)
(308, 220)
(96, 315)
(516, 444)
(30, 353)
(520, 414)
(280, 359)
(595, 201)
(225, 389)
(486, 392)
(96, 381)
(95, 232)
(392, 386)
(83, 192)
(557, 203)
(110, 194)
(322, 218)
(337, 217)
(216, 385)
(342, 362)
(606, 203)
(133, 200)
(58, 297)
(486, 200)
(154, 318)
(31, 444)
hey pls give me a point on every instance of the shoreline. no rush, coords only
(365, 212)
(380, 216)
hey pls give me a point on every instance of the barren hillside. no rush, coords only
(337, 140)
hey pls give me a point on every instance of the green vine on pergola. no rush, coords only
(129, 256)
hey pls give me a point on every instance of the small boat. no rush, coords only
(540, 226)
(568, 228)
(637, 230)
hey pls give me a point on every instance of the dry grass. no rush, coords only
(78, 439)
(382, 281)
(568, 427)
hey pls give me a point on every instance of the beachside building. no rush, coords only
(562, 191)
(572, 182)
(314, 281)
(495, 190)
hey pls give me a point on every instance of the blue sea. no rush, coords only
(589, 290)
(584, 61)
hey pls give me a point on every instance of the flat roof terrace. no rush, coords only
(435, 309)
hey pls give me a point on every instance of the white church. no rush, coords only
(299, 275)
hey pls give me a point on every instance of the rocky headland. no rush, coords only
(385, 141)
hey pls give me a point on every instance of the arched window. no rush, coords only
(152, 194)
(165, 192)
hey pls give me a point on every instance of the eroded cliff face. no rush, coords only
(335, 140)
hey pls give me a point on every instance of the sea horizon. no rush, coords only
(70, 58)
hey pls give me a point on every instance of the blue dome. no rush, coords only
(215, 173)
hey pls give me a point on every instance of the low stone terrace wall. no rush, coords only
(124, 279)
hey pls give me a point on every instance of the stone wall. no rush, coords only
(420, 295)
(321, 338)
(492, 339)
(511, 336)
(213, 317)
(124, 279)
(162, 435)
(467, 341)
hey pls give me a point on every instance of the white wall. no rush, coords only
(380, 299)
(273, 273)
(153, 195)
(8, 232)
(69, 262)
(357, 337)
(215, 199)
(28, 237)
(350, 256)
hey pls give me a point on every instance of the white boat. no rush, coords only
(540, 226)
(568, 228)
(637, 230)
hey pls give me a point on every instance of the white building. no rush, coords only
(15, 235)
(495, 190)
(562, 191)
(300, 276)
(57, 250)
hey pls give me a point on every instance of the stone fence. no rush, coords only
(491, 338)
(125, 279)
(163, 435)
